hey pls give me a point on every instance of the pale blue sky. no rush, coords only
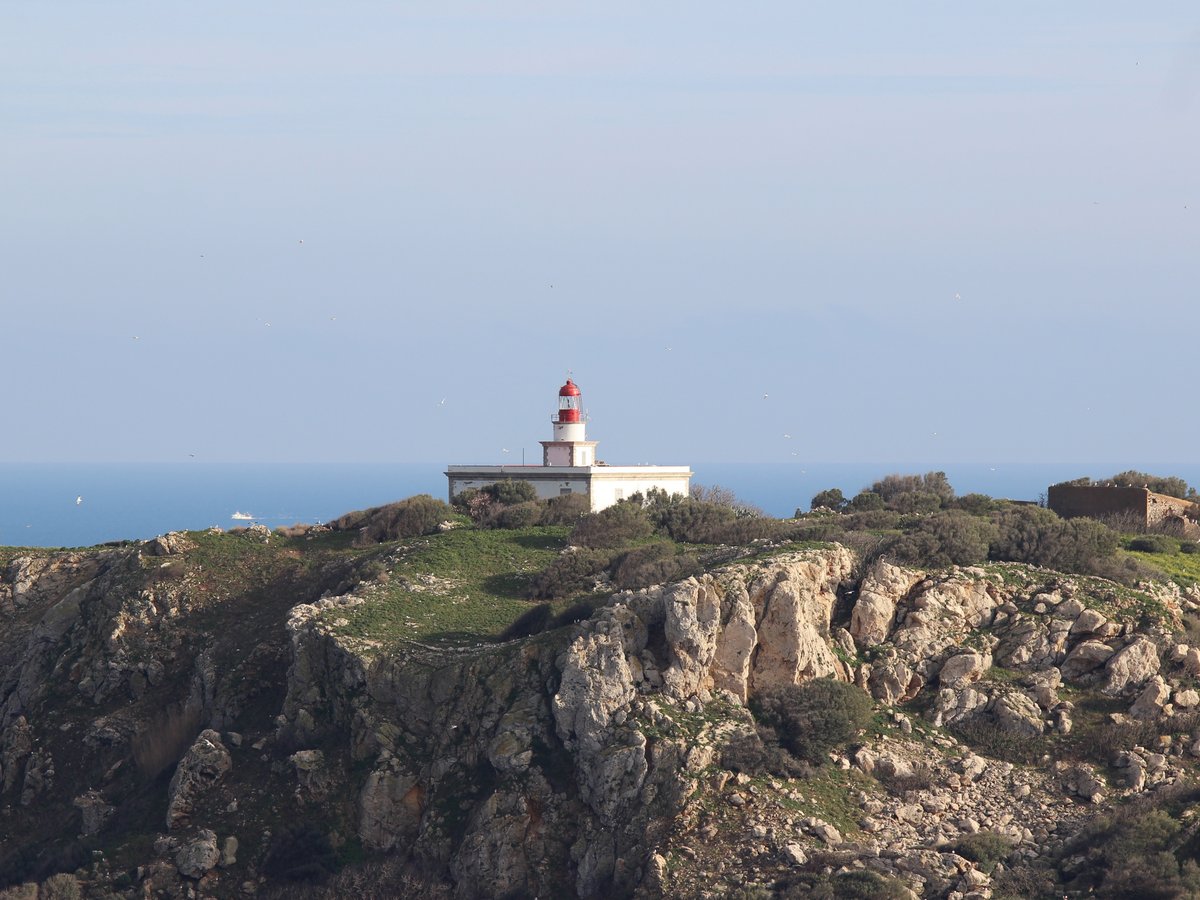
(931, 232)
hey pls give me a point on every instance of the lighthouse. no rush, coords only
(569, 446)
(569, 464)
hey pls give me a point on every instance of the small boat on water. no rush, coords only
(242, 517)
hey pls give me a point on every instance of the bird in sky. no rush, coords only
(765, 396)
(78, 501)
(443, 402)
(788, 436)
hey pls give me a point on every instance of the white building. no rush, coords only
(569, 465)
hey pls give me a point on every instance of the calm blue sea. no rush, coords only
(125, 501)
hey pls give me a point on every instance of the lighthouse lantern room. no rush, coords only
(569, 446)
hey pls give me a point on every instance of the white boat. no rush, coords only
(242, 517)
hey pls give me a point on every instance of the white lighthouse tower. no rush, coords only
(569, 446)
(569, 465)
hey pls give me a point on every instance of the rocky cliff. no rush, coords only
(194, 716)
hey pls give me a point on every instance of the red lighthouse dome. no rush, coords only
(568, 402)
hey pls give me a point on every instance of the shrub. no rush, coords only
(865, 501)
(570, 573)
(947, 538)
(852, 884)
(872, 519)
(921, 778)
(758, 753)
(977, 504)
(652, 564)
(830, 499)
(1030, 534)
(912, 493)
(1170, 485)
(1154, 543)
(1189, 547)
(408, 518)
(985, 848)
(519, 515)
(615, 526)
(686, 519)
(565, 510)
(63, 886)
(815, 717)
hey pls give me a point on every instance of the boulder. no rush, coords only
(1131, 666)
(1084, 659)
(199, 856)
(1150, 702)
(1018, 714)
(964, 668)
(204, 764)
(94, 810)
(1088, 622)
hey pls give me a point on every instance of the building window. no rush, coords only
(562, 491)
(620, 493)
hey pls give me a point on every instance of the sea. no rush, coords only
(81, 504)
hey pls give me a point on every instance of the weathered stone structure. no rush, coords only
(1099, 501)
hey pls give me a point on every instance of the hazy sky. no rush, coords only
(946, 232)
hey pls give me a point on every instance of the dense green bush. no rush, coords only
(616, 526)
(977, 504)
(519, 515)
(1030, 534)
(947, 538)
(815, 717)
(865, 501)
(985, 848)
(913, 493)
(758, 753)
(872, 519)
(1189, 547)
(1171, 485)
(408, 518)
(686, 519)
(653, 564)
(1138, 852)
(509, 491)
(830, 499)
(565, 510)
(1154, 543)
(570, 573)
(853, 884)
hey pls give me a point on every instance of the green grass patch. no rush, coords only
(460, 586)
(1182, 568)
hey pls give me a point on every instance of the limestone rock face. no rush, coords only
(204, 764)
(883, 587)
(691, 622)
(793, 604)
(390, 807)
(596, 680)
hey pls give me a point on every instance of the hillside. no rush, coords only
(324, 713)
